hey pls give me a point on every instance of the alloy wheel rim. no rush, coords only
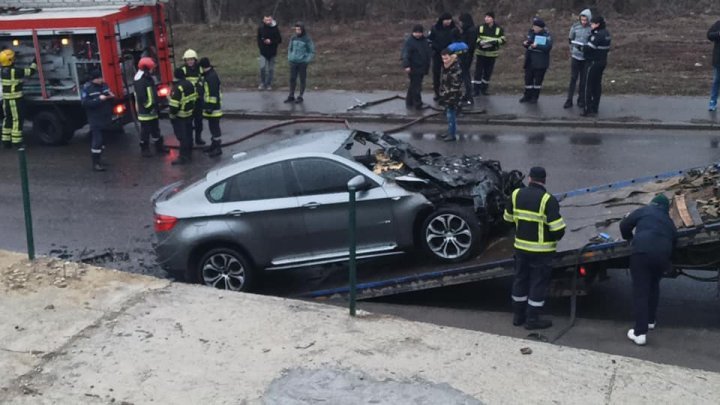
(448, 236)
(223, 271)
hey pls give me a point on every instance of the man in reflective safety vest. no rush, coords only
(146, 105)
(212, 105)
(193, 74)
(489, 40)
(12, 90)
(538, 228)
(182, 107)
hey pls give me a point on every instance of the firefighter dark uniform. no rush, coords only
(99, 115)
(595, 52)
(146, 104)
(12, 79)
(490, 39)
(538, 228)
(182, 107)
(537, 60)
(194, 75)
(652, 246)
(212, 105)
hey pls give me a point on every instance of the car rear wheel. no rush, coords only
(451, 234)
(225, 269)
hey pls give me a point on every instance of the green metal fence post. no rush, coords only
(26, 203)
(353, 185)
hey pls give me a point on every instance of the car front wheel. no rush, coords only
(225, 269)
(451, 234)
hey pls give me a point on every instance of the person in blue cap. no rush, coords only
(652, 242)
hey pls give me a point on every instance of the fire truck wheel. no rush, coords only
(48, 128)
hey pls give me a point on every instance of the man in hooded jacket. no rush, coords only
(416, 62)
(442, 34)
(468, 35)
(301, 51)
(652, 245)
(578, 38)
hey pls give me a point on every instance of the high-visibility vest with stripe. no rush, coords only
(496, 38)
(182, 100)
(145, 98)
(536, 215)
(12, 79)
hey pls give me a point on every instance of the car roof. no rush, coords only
(323, 142)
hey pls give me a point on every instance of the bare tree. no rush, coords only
(213, 11)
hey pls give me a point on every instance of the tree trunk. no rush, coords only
(213, 11)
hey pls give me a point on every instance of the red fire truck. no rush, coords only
(69, 42)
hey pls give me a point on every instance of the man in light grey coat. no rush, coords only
(578, 38)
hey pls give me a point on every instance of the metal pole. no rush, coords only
(26, 203)
(353, 248)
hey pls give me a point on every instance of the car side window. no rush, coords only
(261, 183)
(321, 176)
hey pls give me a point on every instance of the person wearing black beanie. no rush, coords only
(442, 34)
(596, 54)
(415, 58)
(538, 43)
(490, 38)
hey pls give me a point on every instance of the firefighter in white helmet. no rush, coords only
(193, 74)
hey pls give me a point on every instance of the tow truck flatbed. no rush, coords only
(587, 212)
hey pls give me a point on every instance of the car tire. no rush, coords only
(451, 234)
(225, 269)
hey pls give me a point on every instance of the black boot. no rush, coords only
(96, 165)
(568, 103)
(145, 150)
(534, 321)
(199, 140)
(214, 149)
(160, 147)
(519, 313)
(534, 95)
(484, 89)
(527, 96)
(181, 160)
(7, 144)
(476, 90)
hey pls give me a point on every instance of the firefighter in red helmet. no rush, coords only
(146, 104)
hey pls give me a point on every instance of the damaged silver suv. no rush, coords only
(285, 205)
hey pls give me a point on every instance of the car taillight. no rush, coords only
(119, 109)
(582, 272)
(163, 91)
(164, 223)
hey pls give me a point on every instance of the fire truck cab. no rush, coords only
(68, 43)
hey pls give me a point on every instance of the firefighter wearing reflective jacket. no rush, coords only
(193, 74)
(146, 105)
(538, 228)
(596, 53)
(489, 40)
(12, 78)
(212, 105)
(182, 106)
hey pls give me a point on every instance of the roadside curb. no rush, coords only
(497, 120)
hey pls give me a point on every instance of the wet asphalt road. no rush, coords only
(106, 218)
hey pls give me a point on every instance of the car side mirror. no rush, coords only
(358, 183)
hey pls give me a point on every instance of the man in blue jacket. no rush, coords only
(97, 100)
(301, 52)
(653, 243)
(538, 45)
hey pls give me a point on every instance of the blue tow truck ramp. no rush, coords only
(588, 212)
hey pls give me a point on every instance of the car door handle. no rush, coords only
(236, 213)
(311, 205)
(396, 198)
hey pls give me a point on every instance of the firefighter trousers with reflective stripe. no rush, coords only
(532, 278)
(13, 121)
(149, 129)
(214, 126)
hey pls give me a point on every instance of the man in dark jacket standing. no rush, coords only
(537, 60)
(468, 35)
(653, 244)
(182, 105)
(268, 39)
(489, 40)
(416, 62)
(97, 100)
(301, 51)
(442, 34)
(212, 106)
(596, 53)
(538, 228)
(714, 36)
